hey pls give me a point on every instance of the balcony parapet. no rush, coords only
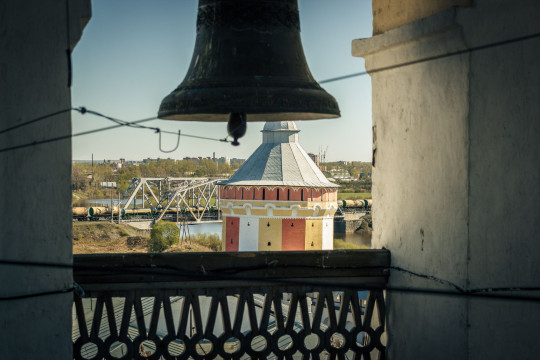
(230, 305)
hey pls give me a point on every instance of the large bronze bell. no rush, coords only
(248, 65)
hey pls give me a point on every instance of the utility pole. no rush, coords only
(119, 211)
(112, 206)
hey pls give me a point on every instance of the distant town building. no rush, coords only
(224, 160)
(339, 173)
(278, 199)
(314, 158)
(187, 158)
(115, 163)
(108, 184)
(237, 161)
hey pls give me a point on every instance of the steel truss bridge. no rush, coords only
(188, 199)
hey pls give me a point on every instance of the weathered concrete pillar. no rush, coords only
(456, 143)
(35, 181)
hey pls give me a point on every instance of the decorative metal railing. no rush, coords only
(286, 305)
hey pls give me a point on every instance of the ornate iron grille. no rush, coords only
(150, 311)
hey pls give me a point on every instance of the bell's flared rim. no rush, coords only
(266, 104)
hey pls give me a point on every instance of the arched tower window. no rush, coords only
(302, 195)
(277, 196)
(264, 195)
(288, 194)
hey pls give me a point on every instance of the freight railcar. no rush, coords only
(365, 204)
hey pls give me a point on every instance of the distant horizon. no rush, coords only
(192, 157)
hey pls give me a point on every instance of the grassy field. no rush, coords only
(353, 196)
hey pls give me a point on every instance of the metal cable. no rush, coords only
(82, 110)
(344, 77)
(44, 117)
(36, 294)
(487, 293)
(436, 57)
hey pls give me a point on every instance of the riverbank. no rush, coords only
(102, 237)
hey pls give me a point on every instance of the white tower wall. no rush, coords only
(328, 234)
(249, 233)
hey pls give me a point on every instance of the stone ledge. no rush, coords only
(425, 38)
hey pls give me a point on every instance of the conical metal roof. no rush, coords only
(279, 161)
(280, 126)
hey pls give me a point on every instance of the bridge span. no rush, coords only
(184, 198)
(179, 199)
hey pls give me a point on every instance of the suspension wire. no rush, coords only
(489, 293)
(424, 291)
(197, 275)
(135, 124)
(37, 294)
(344, 77)
(470, 294)
(119, 123)
(429, 277)
(173, 149)
(36, 120)
(435, 57)
(64, 137)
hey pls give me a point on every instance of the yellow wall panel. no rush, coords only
(270, 234)
(241, 211)
(259, 203)
(314, 234)
(258, 212)
(278, 212)
(305, 213)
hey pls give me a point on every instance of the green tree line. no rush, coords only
(86, 179)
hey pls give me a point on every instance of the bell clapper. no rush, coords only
(236, 127)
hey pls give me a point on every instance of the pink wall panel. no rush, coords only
(271, 194)
(231, 233)
(294, 195)
(293, 234)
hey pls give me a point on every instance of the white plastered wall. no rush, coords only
(249, 233)
(328, 233)
(457, 143)
(35, 211)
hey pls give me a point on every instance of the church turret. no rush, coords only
(279, 199)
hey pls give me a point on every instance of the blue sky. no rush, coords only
(135, 52)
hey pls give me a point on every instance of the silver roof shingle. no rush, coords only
(279, 160)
